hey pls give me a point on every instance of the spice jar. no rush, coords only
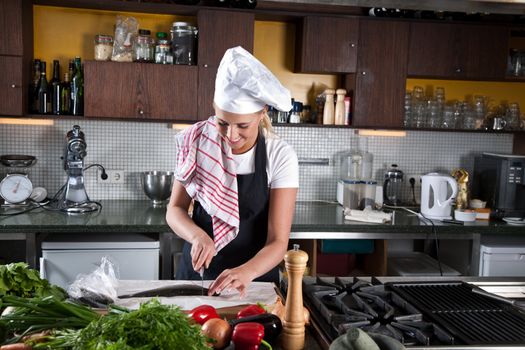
(163, 53)
(184, 43)
(103, 47)
(143, 50)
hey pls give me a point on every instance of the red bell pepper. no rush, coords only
(248, 336)
(203, 313)
(251, 310)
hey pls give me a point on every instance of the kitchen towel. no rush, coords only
(367, 215)
(205, 167)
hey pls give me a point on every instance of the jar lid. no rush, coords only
(144, 32)
(394, 173)
(162, 35)
(183, 26)
(103, 38)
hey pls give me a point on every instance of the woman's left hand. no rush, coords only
(236, 278)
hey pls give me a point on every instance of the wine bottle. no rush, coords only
(43, 91)
(55, 88)
(77, 90)
(65, 95)
(33, 87)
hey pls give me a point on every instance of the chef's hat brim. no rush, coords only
(244, 85)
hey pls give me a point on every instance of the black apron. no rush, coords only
(254, 198)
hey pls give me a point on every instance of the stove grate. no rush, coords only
(472, 318)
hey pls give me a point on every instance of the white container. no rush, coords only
(502, 259)
(62, 262)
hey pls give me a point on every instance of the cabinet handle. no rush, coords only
(14, 86)
(363, 73)
(205, 66)
(352, 45)
(458, 70)
(141, 112)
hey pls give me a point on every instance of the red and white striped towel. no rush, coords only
(205, 167)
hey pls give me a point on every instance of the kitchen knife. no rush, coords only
(201, 272)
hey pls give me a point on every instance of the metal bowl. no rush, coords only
(157, 185)
(17, 160)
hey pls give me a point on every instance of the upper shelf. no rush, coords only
(265, 10)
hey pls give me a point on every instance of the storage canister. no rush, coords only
(143, 48)
(103, 47)
(184, 43)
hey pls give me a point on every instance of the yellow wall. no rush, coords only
(63, 33)
(275, 46)
(497, 92)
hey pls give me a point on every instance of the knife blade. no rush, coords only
(201, 272)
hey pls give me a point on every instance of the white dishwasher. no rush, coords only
(64, 257)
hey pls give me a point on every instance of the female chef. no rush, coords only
(242, 178)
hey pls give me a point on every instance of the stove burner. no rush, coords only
(347, 303)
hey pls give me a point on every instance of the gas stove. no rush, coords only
(445, 314)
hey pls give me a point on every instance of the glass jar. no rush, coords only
(103, 47)
(184, 43)
(143, 49)
(163, 53)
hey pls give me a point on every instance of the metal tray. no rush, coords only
(17, 161)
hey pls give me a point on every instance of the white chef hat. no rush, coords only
(244, 85)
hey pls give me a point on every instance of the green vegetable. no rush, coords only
(18, 279)
(33, 315)
(3, 332)
(152, 327)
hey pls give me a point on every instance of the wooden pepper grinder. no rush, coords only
(293, 326)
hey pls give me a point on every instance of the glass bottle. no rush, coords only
(328, 110)
(43, 91)
(184, 43)
(407, 121)
(65, 95)
(163, 53)
(33, 88)
(77, 90)
(295, 116)
(55, 88)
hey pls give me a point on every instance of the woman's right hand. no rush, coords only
(202, 251)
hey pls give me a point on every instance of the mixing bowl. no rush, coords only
(157, 185)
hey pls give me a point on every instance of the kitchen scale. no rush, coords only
(16, 187)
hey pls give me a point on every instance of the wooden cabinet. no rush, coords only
(381, 74)
(140, 90)
(218, 31)
(458, 51)
(16, 51)
(327, 45)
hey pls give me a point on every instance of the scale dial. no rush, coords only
(16, 188)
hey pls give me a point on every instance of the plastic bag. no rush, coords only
(98, 288)
(126, 31)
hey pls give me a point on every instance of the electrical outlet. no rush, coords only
(114, 177)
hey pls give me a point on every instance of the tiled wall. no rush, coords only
(135, 147)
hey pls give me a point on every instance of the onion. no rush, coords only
(218, 330)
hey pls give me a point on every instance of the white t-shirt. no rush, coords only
(282, 166)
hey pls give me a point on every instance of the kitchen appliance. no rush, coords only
(436, 199)
(16, 187)
(64, 257)
(355, 167)
(392, 186)
(499, 179)
(443, 314)
(502, 259)
(74, 198)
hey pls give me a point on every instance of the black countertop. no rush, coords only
(311, 220)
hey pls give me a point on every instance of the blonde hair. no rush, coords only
(266, 124)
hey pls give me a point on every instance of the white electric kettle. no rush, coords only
(434, 192)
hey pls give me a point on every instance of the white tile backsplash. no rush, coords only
(137, 146)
